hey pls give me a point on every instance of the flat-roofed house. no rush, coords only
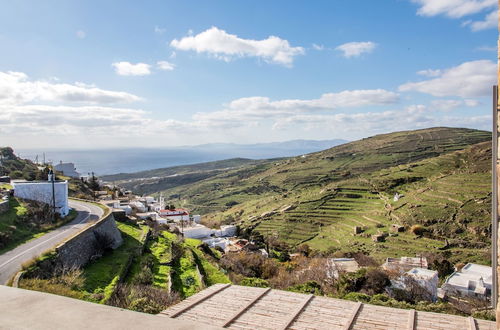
(67, 169)
(44, 192)
(404, 264)
(473, 281)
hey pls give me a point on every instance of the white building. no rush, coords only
(67, 169)
(226, 231)
(175, 214)
(41, 191)
(140, 207)
(214, 242)
(473, 281)
(197, 231)
(425, 278)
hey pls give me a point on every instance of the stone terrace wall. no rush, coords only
(78, 250)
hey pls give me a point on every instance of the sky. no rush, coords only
(117, 74)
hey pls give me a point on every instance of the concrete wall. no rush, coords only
(78, 250)
(42, 191)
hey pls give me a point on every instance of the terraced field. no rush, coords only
(319, 198)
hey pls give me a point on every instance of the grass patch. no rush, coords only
(15, 229)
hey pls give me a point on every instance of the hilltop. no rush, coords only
(320, 198)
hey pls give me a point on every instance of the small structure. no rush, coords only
(425, 278)
(473, 281)
(67, 169)
(397, 228)
(337, 265)
(397, 197)
(47, 192)
(378, 238)
(405, 264)
(196, 231)
(217, 242)
(357, 230)
(175, 214)
(226, 231)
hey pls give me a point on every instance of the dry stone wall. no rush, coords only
(79, 250)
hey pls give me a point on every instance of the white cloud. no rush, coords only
(17, 88)
(254, 109)
(490, 21)
(487, 48)
(159, 30)
(469, 79)
(164, 65)
(130, 69)
(453, 8)
(355, 49)
(318, 47)
(429, 73)
(448, 105)
(81, 34)
(227, 46)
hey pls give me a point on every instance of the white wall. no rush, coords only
(41, 191)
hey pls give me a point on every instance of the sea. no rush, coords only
(113, 161)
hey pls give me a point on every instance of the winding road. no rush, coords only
(11, 261)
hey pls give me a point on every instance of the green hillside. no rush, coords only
(146, 182)
(319, 198)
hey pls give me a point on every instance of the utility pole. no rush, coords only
(52, 179)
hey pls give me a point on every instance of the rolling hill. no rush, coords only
(319, 198)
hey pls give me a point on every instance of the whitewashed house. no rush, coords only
(196, 231)
(67, 169)
(473, 281)
(44, 192)
(226, 231)
(424, 278)
(217, 241)
(175, 214)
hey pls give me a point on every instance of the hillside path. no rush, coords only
(11, 261)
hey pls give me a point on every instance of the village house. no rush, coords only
(425, 278)
(67, 169)
(337, 265)
(175, 214)
(472, 281)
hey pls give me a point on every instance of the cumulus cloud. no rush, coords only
(448, 105)
(490, 21)
(253, 109)
(429, 73)
(355, 49)
(453, 8)
(225, 46)
(130, 69)
(17, 88)
(164, 65)
(469, 79)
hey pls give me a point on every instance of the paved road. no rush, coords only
(11, 261)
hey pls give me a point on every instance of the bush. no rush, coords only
(375, 281)
(356, 296)
(418, 230)
(309, 287)
(255, 282)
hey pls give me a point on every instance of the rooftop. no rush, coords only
(264, 308)
(423, 272)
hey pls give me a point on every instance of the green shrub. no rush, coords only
(356, 296)
(255, 282)
(308, 287)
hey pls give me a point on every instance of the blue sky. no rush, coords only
(95, 74)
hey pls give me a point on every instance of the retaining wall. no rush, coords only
(79, 249)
